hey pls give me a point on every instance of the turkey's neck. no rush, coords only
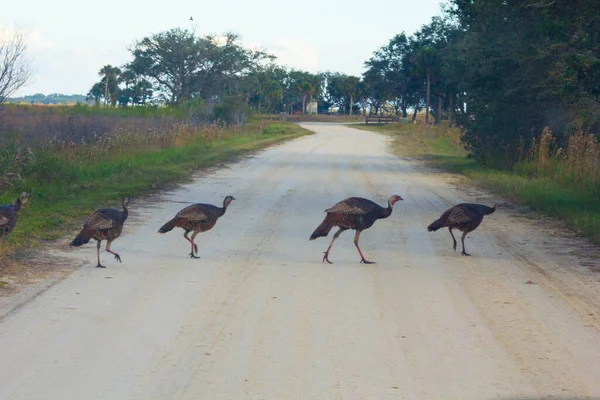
(386, 212)
(125, 211)
(224, 208)
(17, 205)
(489, 210)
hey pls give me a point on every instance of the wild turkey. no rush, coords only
(465, 217)
(104, 224)
(8, 215)
(353, 213)
(196, 218)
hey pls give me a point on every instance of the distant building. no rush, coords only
(311, 107)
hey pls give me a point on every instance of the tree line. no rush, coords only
(500, 70)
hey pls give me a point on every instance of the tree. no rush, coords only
(426, 62)
(111, 83)
(378, 91)
(15, 70)
(96, 93)
(521, 66)
(264, 87)
(342, 90)
(392, 63)
(183, 66)
(305, 85)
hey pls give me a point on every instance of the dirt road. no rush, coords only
(260, 317)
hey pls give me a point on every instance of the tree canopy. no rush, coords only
(502, 70)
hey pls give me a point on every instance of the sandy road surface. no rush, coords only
(260, 317)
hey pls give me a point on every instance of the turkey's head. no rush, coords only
(500, 204)
(394, 199)
(228, 200)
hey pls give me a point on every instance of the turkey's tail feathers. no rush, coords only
(435, 225)
(168, 226)
(323, 229)
(83, 238)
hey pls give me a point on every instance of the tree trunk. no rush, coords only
(403, 107)
(106, 91)
(414, 118)
(438, 114)
(451, 106)
(350, 105)
(427, 98)
(303, 104)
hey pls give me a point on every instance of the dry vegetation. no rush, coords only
(562, 182)
(84, 158)
(578, 165)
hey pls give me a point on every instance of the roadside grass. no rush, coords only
(69, 182)
(542, 182)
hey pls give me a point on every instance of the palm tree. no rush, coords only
(111, 75)
(350, 88)
(425, 60)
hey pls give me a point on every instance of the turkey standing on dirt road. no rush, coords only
(104, 224)
(196, 218)
(353, 213)
(465, 217)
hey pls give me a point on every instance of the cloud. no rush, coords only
(33, 38)
(37, 41)
(294, 53)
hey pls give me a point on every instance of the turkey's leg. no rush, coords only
(462, 239)
(117, 256)
(363, 259)
(194, 247)
(453, 238)
(337, 235)
(98, 242)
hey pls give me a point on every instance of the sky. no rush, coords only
(70, 40)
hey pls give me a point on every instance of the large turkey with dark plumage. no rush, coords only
(8, 215)
(353, 213)
(103, 224)
(196, 218)
(465, 217)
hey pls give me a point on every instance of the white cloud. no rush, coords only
(294, 53)
(37, 41)
(34, 38)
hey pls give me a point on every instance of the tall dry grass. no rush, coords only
(69, 175)
(577, 165)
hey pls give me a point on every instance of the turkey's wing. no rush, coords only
(194, 212)
(353, 205)
(98, 221)
(460, 215)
